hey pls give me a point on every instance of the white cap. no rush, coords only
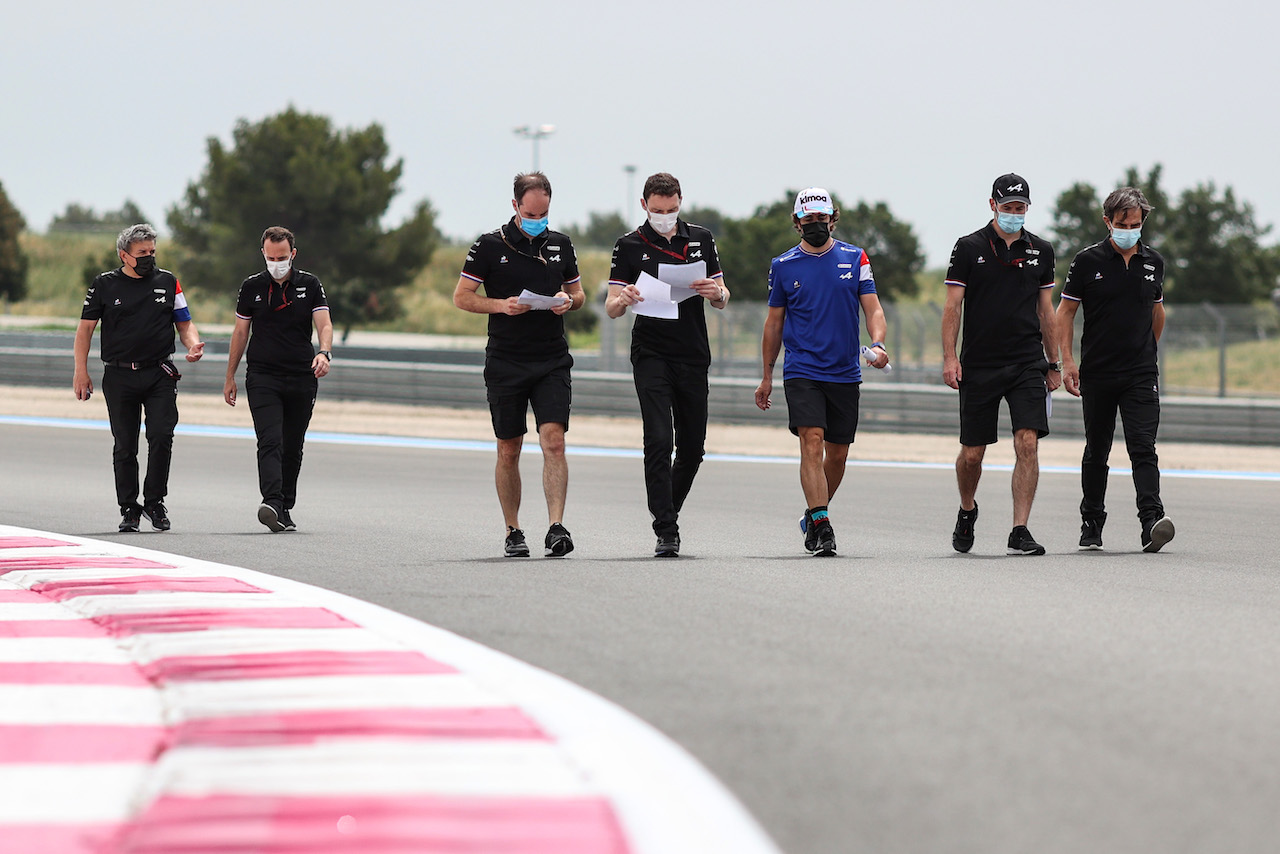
(814, 200)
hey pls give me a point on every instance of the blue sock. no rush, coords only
(819, 514)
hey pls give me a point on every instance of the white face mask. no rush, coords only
(663, 223)
(279, 269)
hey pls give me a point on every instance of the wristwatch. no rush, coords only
(719, 295)
(328, 354)
(1055, 366)
(879, 344)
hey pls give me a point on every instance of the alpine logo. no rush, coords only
(1150, 278)
(160, 300)
(554, 258)
(697, 254)
(848, 275)
(1014, 188)
(1034, 262)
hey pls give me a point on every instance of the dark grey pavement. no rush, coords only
(898, 698)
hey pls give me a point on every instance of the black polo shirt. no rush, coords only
(1002, 287)
(1118, 301)
(506, 262)
(685, 338)
(137, 314)
(280, 321)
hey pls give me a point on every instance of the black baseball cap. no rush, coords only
(1011, 188)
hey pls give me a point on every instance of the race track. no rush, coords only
(898, 698)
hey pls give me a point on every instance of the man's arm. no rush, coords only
(190, 339)
(80, 382)
(1066, 325)
(465, 297)
(620, 296)
(577, 296)
(877, 327)
(324, 334)
(1157, 320)
(239, 340)
(1048, 335)
(952, 373)
(770, 346)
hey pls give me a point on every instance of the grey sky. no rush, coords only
(918, 104)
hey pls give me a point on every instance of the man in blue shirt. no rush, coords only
(815, 293)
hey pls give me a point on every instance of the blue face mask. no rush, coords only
(533, 227)
(1126, 238)
(1010, 223)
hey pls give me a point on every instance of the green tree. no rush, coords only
(748, 245)
(1077, 223)
(13, 261)
(331, 188)
(709, 218)
(600, 232)
(77, 217)
(890, 243)
(1213, 250)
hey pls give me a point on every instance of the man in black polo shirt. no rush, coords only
(1120, 283)
(279, 305)
(670, 358)
(140, 306)
(527, 359)
(1002, 278)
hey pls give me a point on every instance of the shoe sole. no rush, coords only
(963, 548)
(1161, 533)
(560, 549)
(1091, 547)
(155, 526)
(666, 554)
(516, 553)
(267, 515)
(1025, 552)
(127, 529)
(825, 552)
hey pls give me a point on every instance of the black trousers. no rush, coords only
(673, 409)
(1137, 399)
(281, 408)
(129, 393)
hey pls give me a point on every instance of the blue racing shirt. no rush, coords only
(820, 294)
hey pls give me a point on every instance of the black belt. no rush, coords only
(133, 366)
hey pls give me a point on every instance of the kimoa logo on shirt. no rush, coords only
(1150, 267)
(844, 266)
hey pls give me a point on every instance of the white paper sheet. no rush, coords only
(538, 302)
(680, 277)
(657, 299)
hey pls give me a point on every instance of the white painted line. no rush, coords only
(146, 603)
(63, 651)
(107, 705)
(36, 611)
(69, 794)
(148, 647)
(487, 446)
(226, 697)
(371, 766)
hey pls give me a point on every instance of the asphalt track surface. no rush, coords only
(897, 698)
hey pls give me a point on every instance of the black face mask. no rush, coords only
(816, 233)
(146, 265)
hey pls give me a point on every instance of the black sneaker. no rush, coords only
(810, 532)
(130, 518)
(558, 542)
(156, 513)
(962, 536)
(287, 521)
(270, 517)
(1156, 534)
(1091, 535)
(668, 546)
(825, 537)
(515, 545)
(1022, 543)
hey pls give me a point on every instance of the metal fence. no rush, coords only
(1214, 350)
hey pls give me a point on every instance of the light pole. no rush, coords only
(631, 186)
(535, 134)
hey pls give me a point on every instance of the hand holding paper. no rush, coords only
(538, 302)
(656, 298)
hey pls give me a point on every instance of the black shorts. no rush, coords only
(831, 406)
(981, 391)
(512, 386)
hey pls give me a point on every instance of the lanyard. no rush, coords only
(680, 256)
(1016, 262)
